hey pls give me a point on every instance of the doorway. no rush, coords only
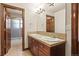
(11, 25)
(16, 29)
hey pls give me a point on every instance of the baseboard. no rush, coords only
(25, 49)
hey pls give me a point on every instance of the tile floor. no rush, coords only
(16, 49)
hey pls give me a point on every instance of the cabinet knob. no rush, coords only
(41, 46)
(36, 46)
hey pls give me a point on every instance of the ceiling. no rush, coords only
(56, 7)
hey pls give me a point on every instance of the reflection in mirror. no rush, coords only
(51, 20)
(55, 18)
(49, 17)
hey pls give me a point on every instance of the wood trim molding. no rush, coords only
(25, 49)
(12, 7)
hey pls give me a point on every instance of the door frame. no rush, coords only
(23, 18)
(74, 29)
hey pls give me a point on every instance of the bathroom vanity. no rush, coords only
(41, 45)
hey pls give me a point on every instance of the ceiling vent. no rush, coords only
(51, 4)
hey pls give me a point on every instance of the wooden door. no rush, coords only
(7, 30)
(50, 23)
(75, 29)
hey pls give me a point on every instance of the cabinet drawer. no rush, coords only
(42, 53)
(43, 48)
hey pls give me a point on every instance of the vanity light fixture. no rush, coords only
(41, 9)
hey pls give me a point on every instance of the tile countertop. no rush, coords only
(51, 35)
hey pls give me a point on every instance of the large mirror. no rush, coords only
(49, 17)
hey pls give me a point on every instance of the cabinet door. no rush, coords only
(29, 42)
(30, 45)
(35, 47)
(43, 50)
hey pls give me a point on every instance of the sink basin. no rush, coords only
(46, 38)
(55, 40)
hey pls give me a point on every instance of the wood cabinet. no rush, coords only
(40, 49)
(33, 46)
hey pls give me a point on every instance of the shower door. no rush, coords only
(15, 29)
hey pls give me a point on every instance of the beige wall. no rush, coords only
(68, 29)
